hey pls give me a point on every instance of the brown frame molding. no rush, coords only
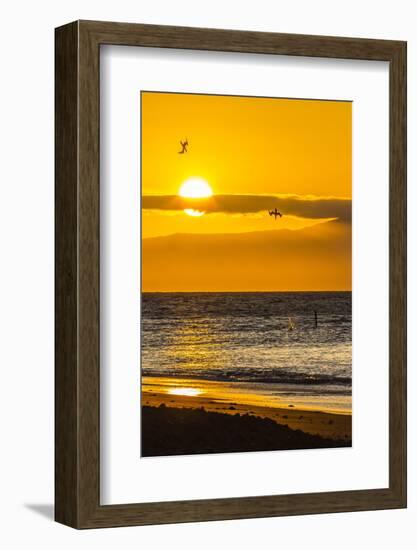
(77, 466)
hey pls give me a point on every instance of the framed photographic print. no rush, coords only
(230, 274)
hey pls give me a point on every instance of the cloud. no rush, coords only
(292, 205)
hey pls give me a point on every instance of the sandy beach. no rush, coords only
(176, 416)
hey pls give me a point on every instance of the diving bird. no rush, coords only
(184, 145)
(275, 213)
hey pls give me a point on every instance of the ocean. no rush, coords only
(258, 343)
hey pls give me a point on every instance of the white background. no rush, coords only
(26, 289)
(124, 477)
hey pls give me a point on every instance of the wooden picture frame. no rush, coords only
(77, 405)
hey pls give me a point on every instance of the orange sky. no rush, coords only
(246, 146)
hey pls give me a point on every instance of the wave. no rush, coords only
(276, 376)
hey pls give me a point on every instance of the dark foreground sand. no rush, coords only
(168, 430)
(326, 424)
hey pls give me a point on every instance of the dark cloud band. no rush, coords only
(293, 205)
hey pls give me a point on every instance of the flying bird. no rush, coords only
(184, 145)
(275, 213)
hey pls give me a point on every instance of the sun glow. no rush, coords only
(195, 188)
(192, 212)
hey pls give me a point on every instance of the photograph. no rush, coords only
(246, 273)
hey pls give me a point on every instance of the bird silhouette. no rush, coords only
(184, 145)
(275, 213)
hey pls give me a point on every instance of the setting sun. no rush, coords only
(195, 188)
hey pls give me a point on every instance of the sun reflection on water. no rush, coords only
(189, 392)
